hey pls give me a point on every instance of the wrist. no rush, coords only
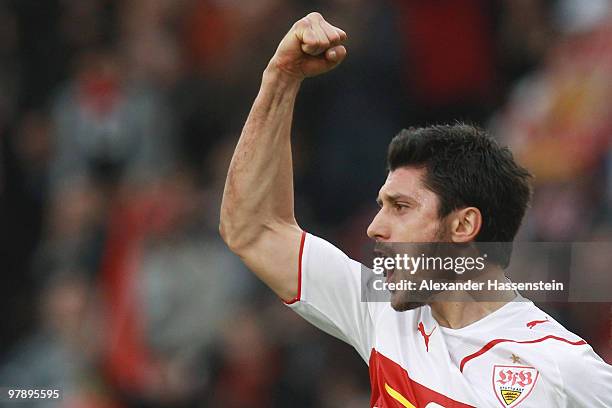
(277, 76)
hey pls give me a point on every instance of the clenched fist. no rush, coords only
(312, 47)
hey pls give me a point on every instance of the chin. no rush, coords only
(402, 305)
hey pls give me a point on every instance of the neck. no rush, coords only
(467, 307)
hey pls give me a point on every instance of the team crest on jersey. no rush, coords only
(513, 384)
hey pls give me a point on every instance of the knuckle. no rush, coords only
(322, 44)
(311, 35)
(315, 15)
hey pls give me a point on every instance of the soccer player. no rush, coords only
(445, 184)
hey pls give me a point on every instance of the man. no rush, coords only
(445, 184)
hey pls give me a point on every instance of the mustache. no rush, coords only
(383, 249)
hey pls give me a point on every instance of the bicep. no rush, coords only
(274, 256)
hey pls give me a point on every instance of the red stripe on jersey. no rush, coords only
(495, 342)
(299, 289)
(386, 374)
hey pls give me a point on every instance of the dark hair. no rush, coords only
(466, 167)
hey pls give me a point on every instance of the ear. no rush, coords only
(465, 224)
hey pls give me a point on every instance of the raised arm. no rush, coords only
(257, 218)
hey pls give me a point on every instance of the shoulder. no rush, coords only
(573, 357)
(319, 251)
(540, 325)
(532, 325)
(560, 355)
(523, 326)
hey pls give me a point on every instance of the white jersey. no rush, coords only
(515, 356)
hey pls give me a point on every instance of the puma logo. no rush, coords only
(426, 336)
(532, 324)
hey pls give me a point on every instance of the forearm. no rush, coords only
(259, 187)
(257, 220)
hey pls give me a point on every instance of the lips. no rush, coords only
(382, 250)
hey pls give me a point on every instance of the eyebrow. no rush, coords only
(396, 197)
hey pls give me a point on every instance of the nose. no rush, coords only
(379, 229)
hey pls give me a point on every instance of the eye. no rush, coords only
(399, 207)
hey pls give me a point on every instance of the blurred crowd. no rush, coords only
(117, 123)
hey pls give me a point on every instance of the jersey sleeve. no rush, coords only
(329, 294)
(587, 379)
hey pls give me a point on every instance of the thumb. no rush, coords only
(335, 55)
